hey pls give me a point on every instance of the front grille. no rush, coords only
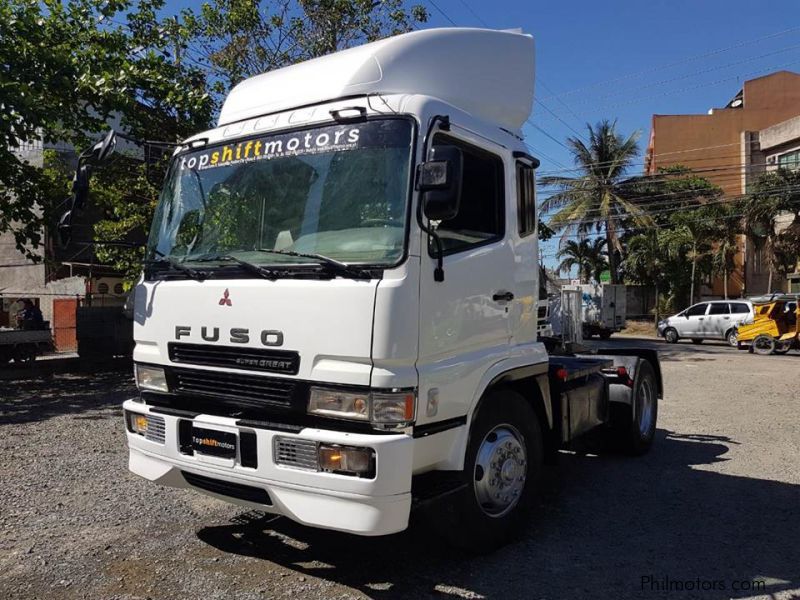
(246, 391)
(156, 430)
(300, 454)
(225, 488)
(231, 357)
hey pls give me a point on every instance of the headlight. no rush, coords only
(382, 409)
(151, 378)
(339, 404)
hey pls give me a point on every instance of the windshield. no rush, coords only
(339, 191)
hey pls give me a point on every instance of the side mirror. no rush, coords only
(64, 229)
(104, 148)
(439, 181)
(80, 187)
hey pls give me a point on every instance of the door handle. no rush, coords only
(700, 318)
(503, 296)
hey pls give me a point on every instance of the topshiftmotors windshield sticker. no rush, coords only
(390, 133)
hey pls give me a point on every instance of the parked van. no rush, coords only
(712, 320)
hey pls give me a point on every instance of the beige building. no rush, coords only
(718, 145)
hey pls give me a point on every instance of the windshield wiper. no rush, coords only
(166, 260)
(248, 266)
(334, 265)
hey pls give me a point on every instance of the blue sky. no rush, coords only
(626, 59)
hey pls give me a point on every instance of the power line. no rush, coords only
(444, 14)
(474, 14)
(679, 62)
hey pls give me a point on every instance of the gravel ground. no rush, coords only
(715, 504)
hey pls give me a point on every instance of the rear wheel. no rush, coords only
(763, 344)
(671, 336)
(605, 334)
(697, 341)
(634, 427)
(783, 347)
(733, 338)
(503, 461)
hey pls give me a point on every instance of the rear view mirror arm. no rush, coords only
(438, 273)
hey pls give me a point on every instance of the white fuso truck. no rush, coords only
(337, 320)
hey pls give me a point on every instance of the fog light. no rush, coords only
(347, 460)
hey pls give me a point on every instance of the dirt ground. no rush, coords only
(712, 512)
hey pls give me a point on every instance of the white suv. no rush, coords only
(713, 320)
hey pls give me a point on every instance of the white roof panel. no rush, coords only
(486, 73)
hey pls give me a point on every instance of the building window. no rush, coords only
(790, 160)
(118, 289)
(102, 288)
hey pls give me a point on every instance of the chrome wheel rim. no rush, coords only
(671, 336)
(500, 470)
(733, 338)
(646, 406)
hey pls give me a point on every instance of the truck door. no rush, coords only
(464, 319)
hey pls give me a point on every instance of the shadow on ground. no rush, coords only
(682, 351)
(603, 524)
(64, 394)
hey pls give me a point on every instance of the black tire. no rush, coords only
(697, 341)
(732, 336)
(763, 344)
(671, 335)
(604, 335)
(469, 525)
(783, 347)
(628, 433)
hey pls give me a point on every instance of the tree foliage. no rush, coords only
(68, 67)
(588, 257)
(595, 198)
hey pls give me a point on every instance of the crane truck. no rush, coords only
(337, 316)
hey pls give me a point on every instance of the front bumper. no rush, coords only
(377, 506)
(662, 326)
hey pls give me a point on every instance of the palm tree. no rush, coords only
(588, 257)
(644, 262)
(594, 199)
(598, 258)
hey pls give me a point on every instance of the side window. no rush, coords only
(480, 218)
(719, 308)
(698, 310)
(739, 308)
(526, 200)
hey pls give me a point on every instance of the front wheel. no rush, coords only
(605, 334)
(671, 336)
(502, 464)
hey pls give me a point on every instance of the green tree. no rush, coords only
(775, 194)
(595, 200)
(69, 66)
(236, 39)
(587, 257)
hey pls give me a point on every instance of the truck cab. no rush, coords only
(338, 315)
